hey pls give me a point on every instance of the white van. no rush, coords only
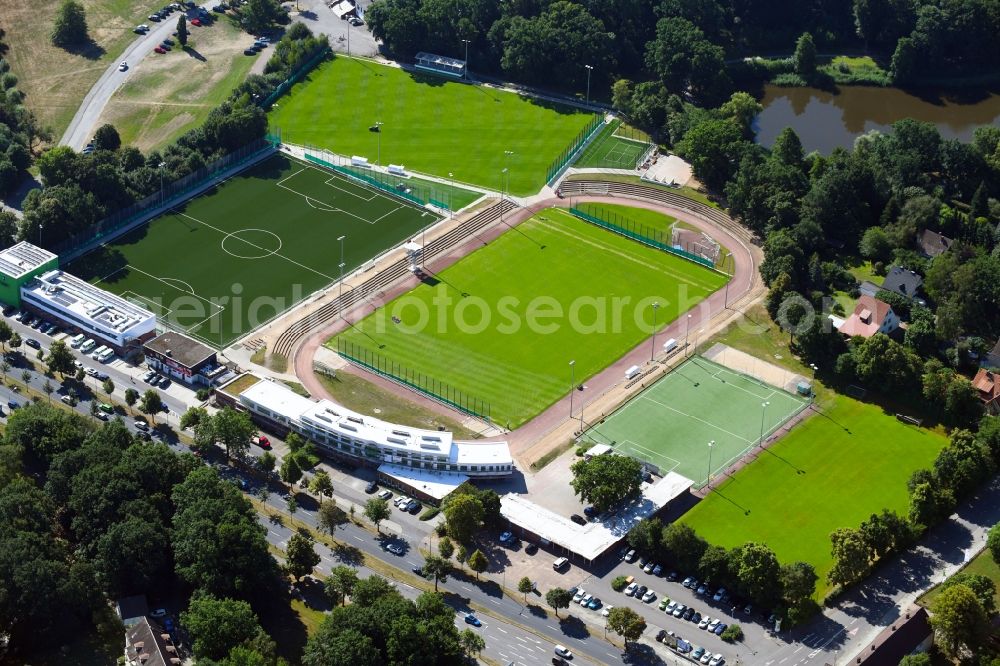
(106, 355)
(632, 372)
(88, 345)
(560, 563)
(77, 340)
(669, 345)
(97, 352)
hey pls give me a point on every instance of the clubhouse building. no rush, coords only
(427, 463)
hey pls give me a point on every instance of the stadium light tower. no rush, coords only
(590, 68)
(652, 351)
(340, 298)
(708, 477)
(687, 329)
(466, 72)
(763, 409)
(378, 133)
(572, 385)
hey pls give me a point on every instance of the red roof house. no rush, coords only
(870, 316)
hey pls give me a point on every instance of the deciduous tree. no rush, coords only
(558, 598)
(377, 510)
(626, 623)
(607, 481)
(301, 556)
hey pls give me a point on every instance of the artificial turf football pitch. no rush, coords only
(671, 423)
(229, 260)
(834, 470)
(503, 323)
(429, 124)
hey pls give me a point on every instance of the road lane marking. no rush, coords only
(503, 630)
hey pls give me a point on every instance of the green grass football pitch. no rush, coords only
(229, 260)
(671, 423)
(834, 470)
(609, 150)
(503, 323)
(430, 124)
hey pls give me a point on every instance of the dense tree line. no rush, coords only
(685, 46)
(380, 626)
(90, 515)
(18, 129)
(751, 571)
(80, 190)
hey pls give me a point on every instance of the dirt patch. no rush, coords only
(168, 94)
(56, 80)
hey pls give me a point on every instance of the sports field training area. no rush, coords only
(229, 260)
(651, 219)
(834, 470)
(671, 423)
(553, 267)
(430, 124)
(612, 149)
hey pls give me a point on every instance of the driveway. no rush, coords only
(321, 20)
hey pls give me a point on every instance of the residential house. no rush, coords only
(987, 384)
(147, 644)
(932, 243)
(870, 316)
(898, 281)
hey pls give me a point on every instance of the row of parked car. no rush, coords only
(693, 652)
(721, 595)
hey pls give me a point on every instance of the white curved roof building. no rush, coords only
(341, 431)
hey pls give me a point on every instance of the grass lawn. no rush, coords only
(429, 124)
(502, 324)
(846, 475)
(56, 80)
(231, 259)
(363, 396)
(982, 564)
(174, 92)
(650, 219)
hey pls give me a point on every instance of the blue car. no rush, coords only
(594, 604)
(720, 628)
(473, 620)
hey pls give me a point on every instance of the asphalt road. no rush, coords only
(81, 128)
(90, 390)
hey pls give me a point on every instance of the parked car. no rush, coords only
(630, 589)
(657, 570)
(690, 582)
(688, 614)
(649, 567)
(561, 563)
(702, 589)
(563, 652)
(159, 49)
(578, 594)
(531, 548)
(607, 610)
(262, 441)
(719, 595)
(385, 494)
(679, 610)
(649, 596)
(141, 425)
(168, 41)
(356, 22)
(642, 589)
(630, 555)
(154, 17)
(196, 22)
(413, 506)
(394, 548)
(578, 519)
(719, 628)
(663, 603)
(371, 487)
(506, 536)
(697, 652)
(31, 342)
(589, 511)
(122, 66)
(158, 613)
(705, 621)
(717, 660)
(660, 635)
(594, 604)
(672, 576)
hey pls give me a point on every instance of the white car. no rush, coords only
(713, 624)
(159, 612)
(123, 66)
(705, 621)
(385, 494)
(585, 599)
(707, 657)
(606, 610)
(649, 596)
(580, 594)
(630, 589)
(563, 652)
(717, 660)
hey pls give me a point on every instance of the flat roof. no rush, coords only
(439, 59)
(106, 311)
(180, 348)
(239, 384)
(436, 484)
(590, 541)
(19, 260)
(329, 416)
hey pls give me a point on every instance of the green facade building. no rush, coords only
(18, 265)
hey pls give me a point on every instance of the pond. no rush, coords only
(825, 120)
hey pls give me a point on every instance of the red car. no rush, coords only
(262, 441)
(160, 49)
(196, 22)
